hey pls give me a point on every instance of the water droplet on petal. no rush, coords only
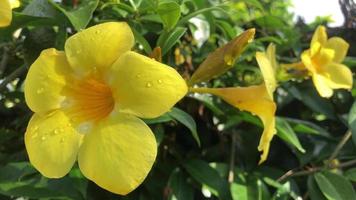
(160, 81)
(43, 138)
(40, 90)
(56, 131)
(34, 135)
(84, 127)
(149, 85)
(78, 51)
(97, 31)
(62, 140)
(138, 75)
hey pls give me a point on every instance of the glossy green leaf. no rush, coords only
(286, 133)
(181, 189)
(313, 189)
(351, 174)
(206, 175)
(186, 120)
(352, 121)
(168, 39)
(169, 13)
(334, 186)
(80, 16)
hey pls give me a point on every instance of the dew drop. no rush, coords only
(78, 51)
(97, 32)
(40, 90)
(138, 75)
(34, 135)
(56, 131)
(62, 140)
(34, 129)
(84, 128)
(149, 85)
(160, 81)
(43, 138)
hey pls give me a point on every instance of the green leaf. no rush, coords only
(352, 121)
(334, 186)
(285, 132)
(168, 39)
(313, 189)
(198, 12)
(206, 175)
(22, 180)
(351, 174)
(181, 189)
(163, 118)
(239, 189)
(40, 8)
(169, 13)
(309, 96)
(186, 120)
(141, 40)
(80, 16)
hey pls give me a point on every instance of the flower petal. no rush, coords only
(338, 76)
(52, 144)
(322, 86)
(14, 4)
(144, 87)
(118, 153)
(254, 99)
(319, 37)
(5, 13)
(268, 73)
(98, 47)
(340, 46)
(46, 80)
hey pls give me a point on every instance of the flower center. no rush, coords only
(92, 100)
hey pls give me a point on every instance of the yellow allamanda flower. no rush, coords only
(323, 61)
(87, 102)
(255, 99)
(6, 7)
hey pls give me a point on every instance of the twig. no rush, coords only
(232, 157)
(4, 60)
(15, 74)
(339, 146)
(291, 173)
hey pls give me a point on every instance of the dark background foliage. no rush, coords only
(312, 156)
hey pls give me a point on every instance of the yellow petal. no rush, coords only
(15, 3)
(145, 87)
(338, 76)
(340, 46)
(5, 13)
(254, 99)
(323, 57)
(52, 144)
(98, 47)
(268, 73)
(307, 61)
(118, 153)
(46, 80)
(320, 37)
(271, 55)
(222, 59)
(322, 86)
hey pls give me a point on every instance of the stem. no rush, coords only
(3, 63)
(15, 74)
(315, 169)
(232, 157)
(339, 146)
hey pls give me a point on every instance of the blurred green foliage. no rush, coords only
(207, 149)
